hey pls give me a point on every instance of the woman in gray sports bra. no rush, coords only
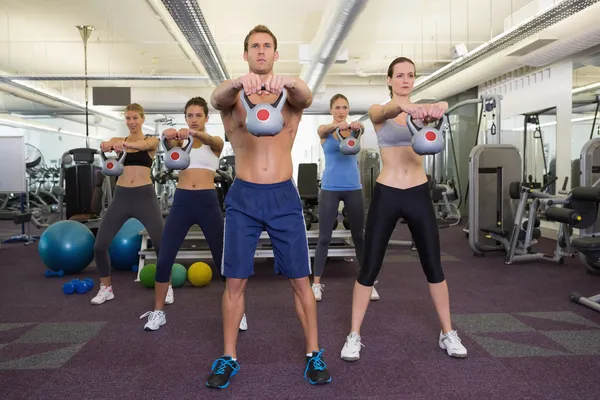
(402, 191)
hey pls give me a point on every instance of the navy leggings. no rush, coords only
(387, 206)
(190, 207)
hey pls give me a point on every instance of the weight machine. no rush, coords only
(487, 104)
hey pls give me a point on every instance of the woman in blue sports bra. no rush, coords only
(340, 182)
(195, 202)
(402, 191)
(134, 196)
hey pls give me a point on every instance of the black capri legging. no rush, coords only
(387, 206)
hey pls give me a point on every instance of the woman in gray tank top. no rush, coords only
(402, 191)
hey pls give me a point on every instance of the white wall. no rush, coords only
(547, 88)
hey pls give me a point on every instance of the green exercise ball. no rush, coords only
(147, 275)
(178, 275)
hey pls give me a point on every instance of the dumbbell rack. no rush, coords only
(194, 246)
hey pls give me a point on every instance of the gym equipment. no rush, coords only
(427, 140)
(67, 246)
(178, 275)
(517, 242)
(370, 166)
(492, 168)
(223, 182)
(49, 273)
(199, 274)
(177, 158)
(124, 247)
(16, 167)
(350, 145)
(308, 189)
(531, 179)
(113, 166)
(592, 302)
(589, 163)
(147, 275)
(264, 119)
(195, 246)
(77, 183)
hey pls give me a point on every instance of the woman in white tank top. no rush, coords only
(195, 202)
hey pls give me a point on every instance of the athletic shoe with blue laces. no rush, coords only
(222, 370)
(316, 369)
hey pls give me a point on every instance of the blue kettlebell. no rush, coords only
(111, 166)
(350, 145)
(427, 140)
(264, 119)
(177, 158)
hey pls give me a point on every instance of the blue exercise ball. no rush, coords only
(67, 245)
(125, 246)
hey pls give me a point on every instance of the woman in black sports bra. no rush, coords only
(134, 196)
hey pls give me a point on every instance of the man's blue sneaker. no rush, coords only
(222, 370)
(316, 370)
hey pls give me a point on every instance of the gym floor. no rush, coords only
(526, 340)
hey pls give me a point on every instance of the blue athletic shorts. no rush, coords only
(251, 208)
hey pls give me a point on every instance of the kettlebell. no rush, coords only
(350, 145)
(264, 119)
(177, 158)
(111, 166)
(427, 140)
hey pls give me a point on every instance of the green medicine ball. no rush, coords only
(147, 275)
(178, 275)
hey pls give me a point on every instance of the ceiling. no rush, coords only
(39, 37)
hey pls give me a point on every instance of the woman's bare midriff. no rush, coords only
(196, 179)
(402, 167)
(134, 176)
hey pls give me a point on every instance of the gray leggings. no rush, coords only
(329, 202)
(128, 202)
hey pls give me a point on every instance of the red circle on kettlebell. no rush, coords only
(110, 165)
(263, 115)
(430, 136)
(174, 156)
(351, 143)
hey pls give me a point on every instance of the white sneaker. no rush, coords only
(244, 323)
(170, 298)
(374, 294)
(105, 293)
(351, 349)
(317, 289)
(452, 344)
(156, 319)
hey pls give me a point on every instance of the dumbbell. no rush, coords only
(79, 286)
(50, 273)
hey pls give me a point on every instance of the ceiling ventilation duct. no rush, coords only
(344, 17)
(24, 91)
(189, 19)
(107, 77)
(553, 15)
(562, 49)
